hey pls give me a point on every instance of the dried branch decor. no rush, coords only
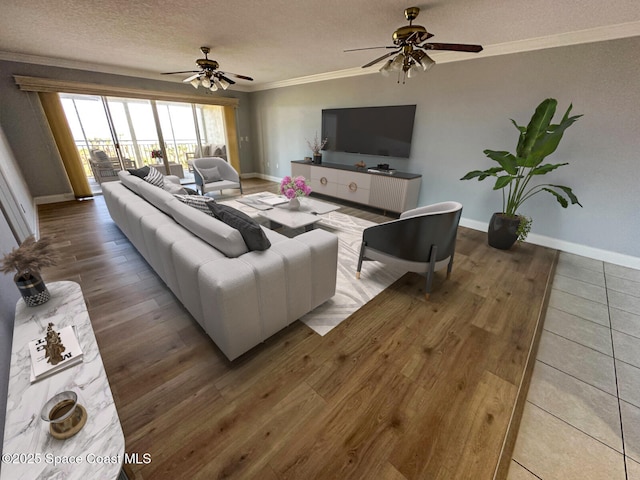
(30, 257)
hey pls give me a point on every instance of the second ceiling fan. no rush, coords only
(209, 76)
(410, 48)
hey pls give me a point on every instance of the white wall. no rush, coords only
(464, 108)
(15, 199)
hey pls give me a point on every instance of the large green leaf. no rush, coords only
(538, 125)
(503, 181)
(505, 159)
(569, 193)
(546, 168)
(523, 131)
(561, 200)
(482, 174)
(548, 143)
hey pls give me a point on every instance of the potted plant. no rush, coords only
(315, 147)
(27, 260)
(539, 139)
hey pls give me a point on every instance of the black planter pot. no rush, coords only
(33, 290)
(502, 231)
(317, 159)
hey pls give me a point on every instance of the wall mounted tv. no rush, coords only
(384, 131)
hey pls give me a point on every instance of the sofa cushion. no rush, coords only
(155, 196)
(219, 235)
(174, 188)
(139, 172)
(155, 178)
(198, 202)
(250, 230)
(210, 174)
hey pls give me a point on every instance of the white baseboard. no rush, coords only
(565, 246)
(262, 176)
(63, 197)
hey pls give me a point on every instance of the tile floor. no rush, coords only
(582, 416)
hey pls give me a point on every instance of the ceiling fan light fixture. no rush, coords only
(213, 87)
(206, 82)
(195, 82)
(223, 83)
(396, 64)
(427, 62)
(386, 68)
(414, 69)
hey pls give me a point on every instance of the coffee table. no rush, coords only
(305, 217)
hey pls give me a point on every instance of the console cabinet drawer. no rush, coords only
(324, 181)
(382, 191)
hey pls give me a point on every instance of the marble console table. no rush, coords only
(29, 451)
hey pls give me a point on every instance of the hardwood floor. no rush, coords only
(403, 389)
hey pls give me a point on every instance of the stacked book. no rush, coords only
(72, 354)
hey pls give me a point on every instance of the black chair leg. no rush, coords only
(432, 266)
(360, 259)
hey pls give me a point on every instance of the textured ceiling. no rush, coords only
(271, 40)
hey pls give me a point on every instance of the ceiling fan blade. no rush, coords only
(237, 75)
(186, 71)
(192, 77)
(366, 48)
(226, 79)
(456, 47)
(386, 55)
(418, 37)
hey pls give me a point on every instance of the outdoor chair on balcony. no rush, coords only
(422, 240)
(214, 173)
(105, 168)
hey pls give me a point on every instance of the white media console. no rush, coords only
(394, 192)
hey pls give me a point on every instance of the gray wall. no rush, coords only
(465, 107)
(26, 129)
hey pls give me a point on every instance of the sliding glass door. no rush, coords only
(138, 132)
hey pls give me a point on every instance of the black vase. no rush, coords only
(502, 231)
(33, 290)
(317, 158)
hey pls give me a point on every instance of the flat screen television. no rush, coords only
(383, 131)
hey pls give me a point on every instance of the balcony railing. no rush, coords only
(139, 152)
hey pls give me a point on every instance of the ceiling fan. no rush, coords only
(209, 76)
(410, 46)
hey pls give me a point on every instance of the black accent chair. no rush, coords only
(422, 240)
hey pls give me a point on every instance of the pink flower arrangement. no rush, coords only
(294, 187)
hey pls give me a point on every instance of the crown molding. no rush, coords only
(591, 35)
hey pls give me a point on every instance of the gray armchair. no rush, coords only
(422, 240)
(214, 173)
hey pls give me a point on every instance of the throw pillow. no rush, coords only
(174, 188)
(190, 191)
(139, 172)
(198, 202)
(210, 174)
(154, 178)
(217, 152)
(251, 232)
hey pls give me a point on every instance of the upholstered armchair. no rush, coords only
(214, 173)
(422, 240)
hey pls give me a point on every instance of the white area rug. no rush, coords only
(351, 294)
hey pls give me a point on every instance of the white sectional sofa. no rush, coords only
(239, 297)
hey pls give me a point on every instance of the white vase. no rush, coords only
(294, 203)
